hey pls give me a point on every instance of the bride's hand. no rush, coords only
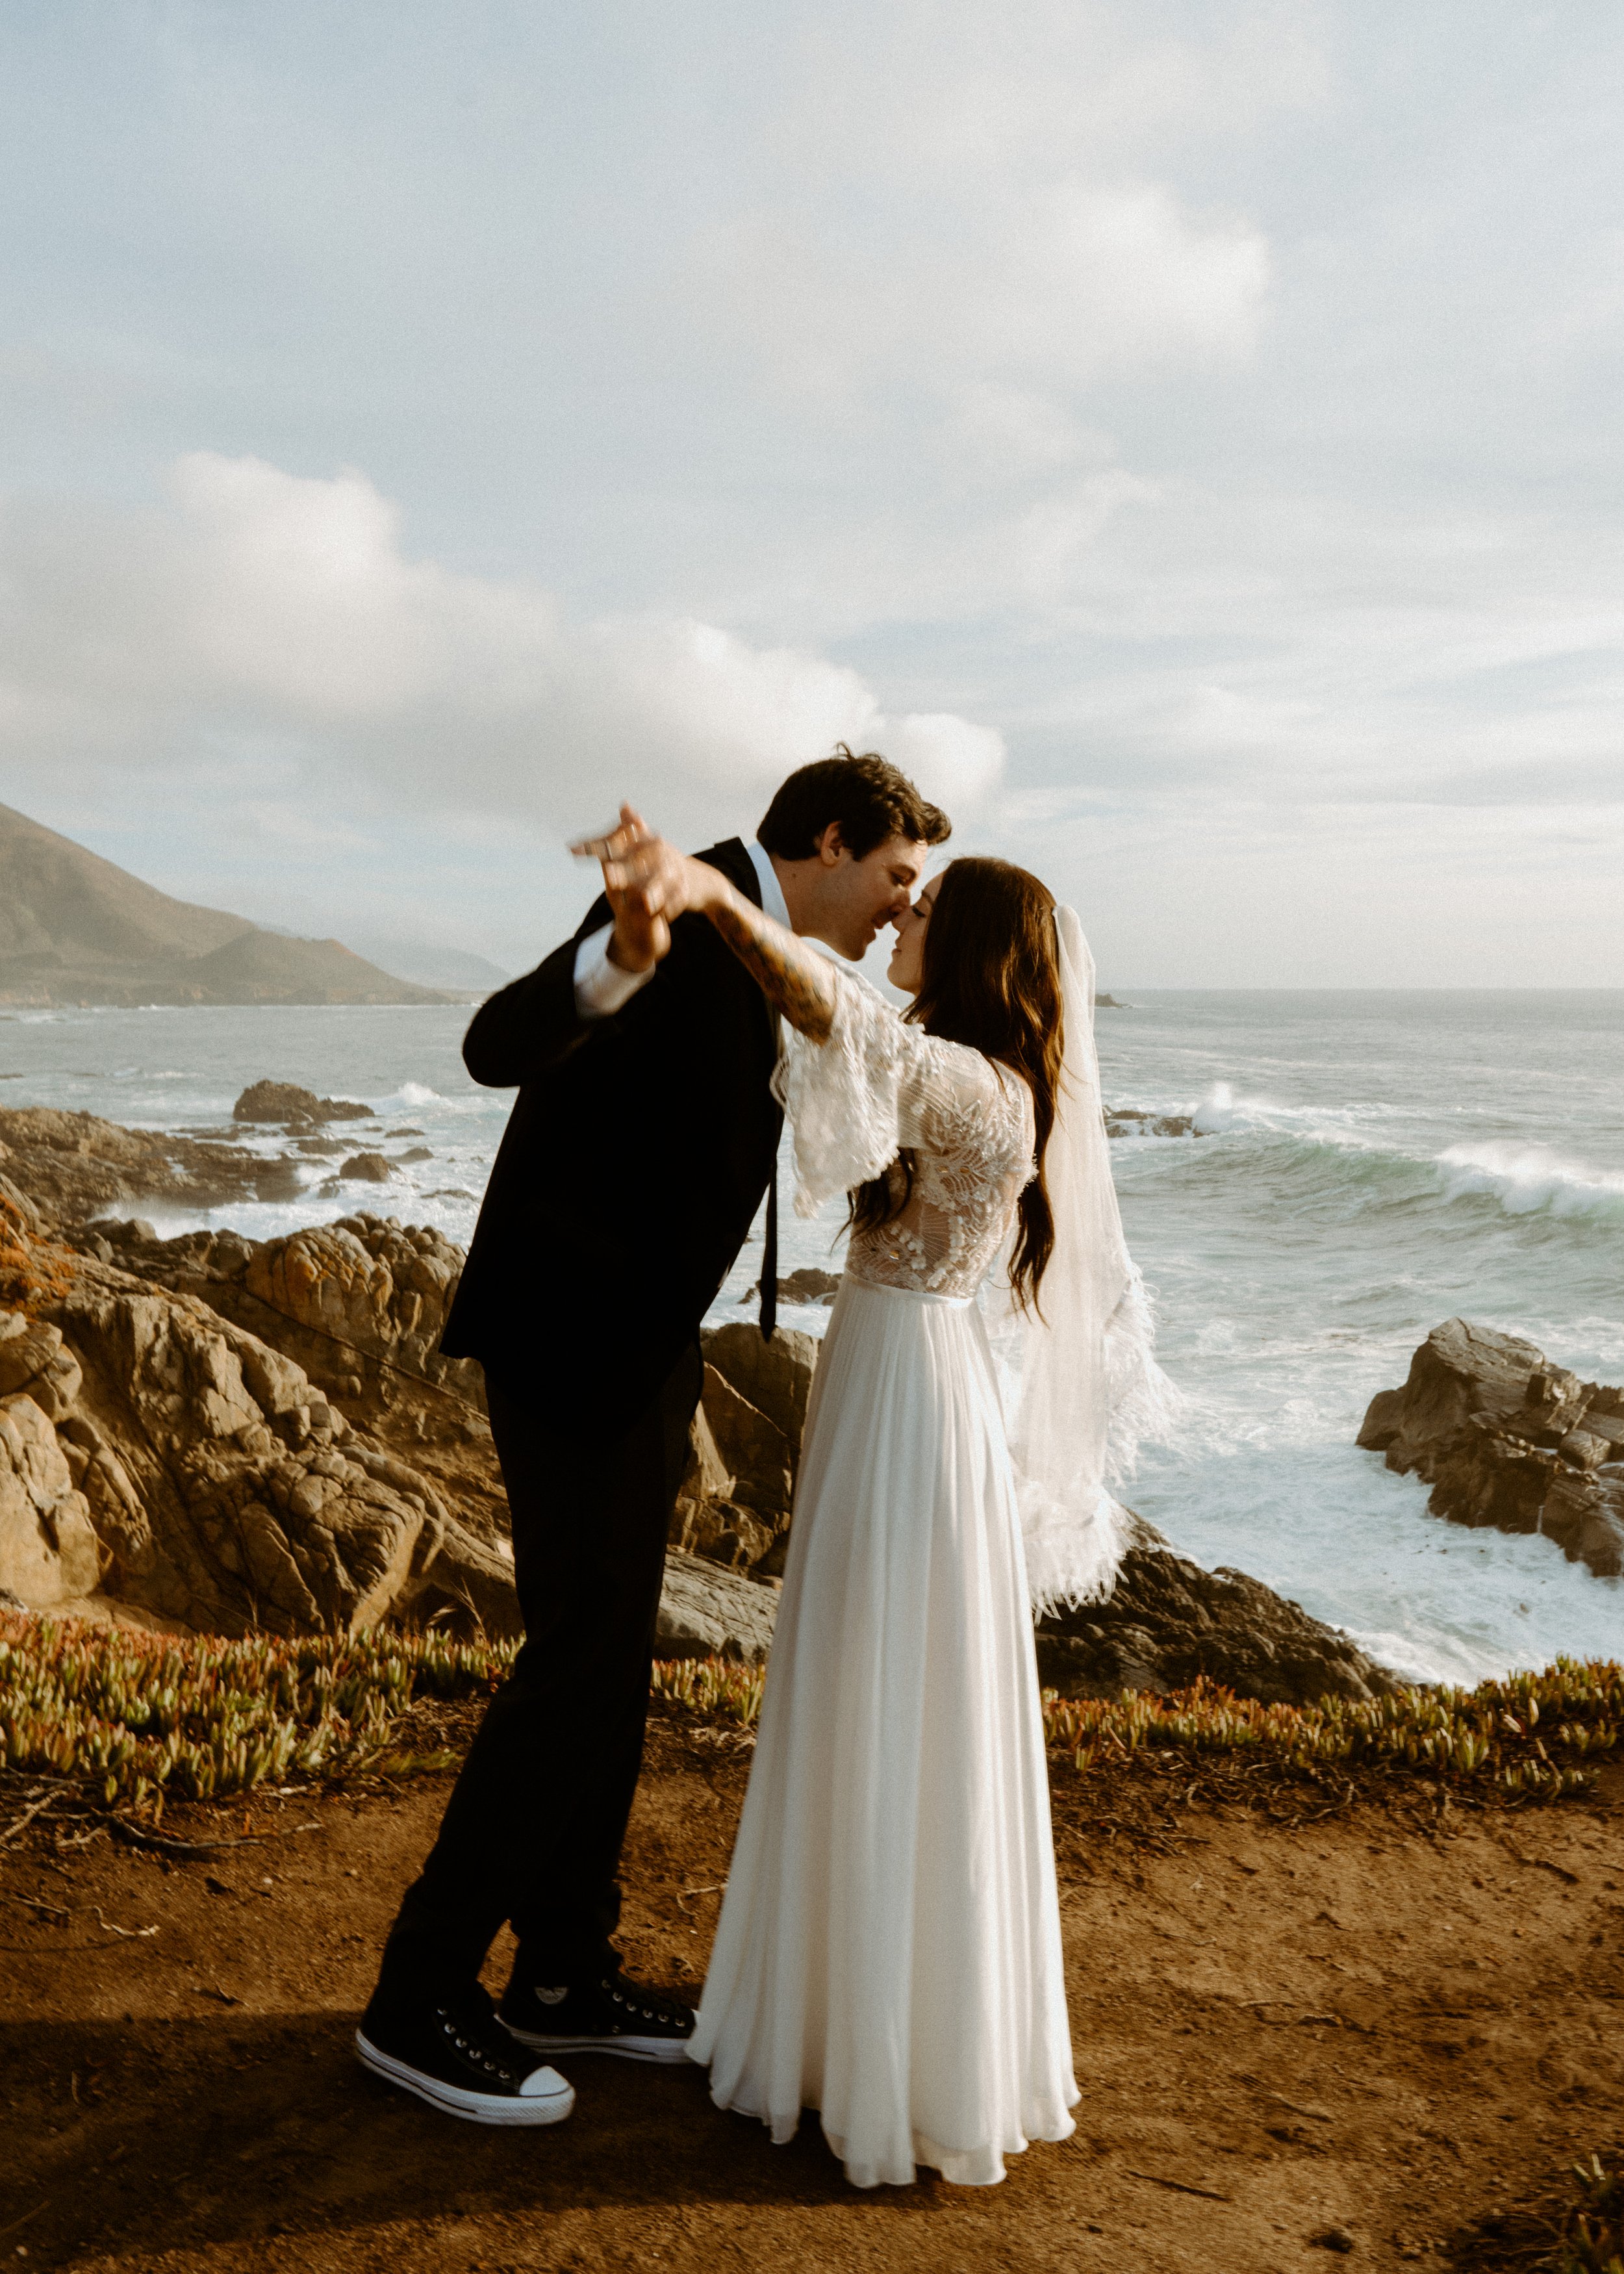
(648, 883)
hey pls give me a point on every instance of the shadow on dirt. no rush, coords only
(163, 2134)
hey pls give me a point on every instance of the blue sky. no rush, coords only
(1186, 436)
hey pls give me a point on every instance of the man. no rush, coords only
(644, 1137)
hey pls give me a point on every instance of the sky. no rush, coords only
(1185, 437)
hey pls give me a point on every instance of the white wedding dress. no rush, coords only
(889, 1948)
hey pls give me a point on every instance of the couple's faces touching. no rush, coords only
(846, 901)
(907, 967)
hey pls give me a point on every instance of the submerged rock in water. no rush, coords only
(365, 1169)
(809, 1285)
(1129, 1121)
(73, 1166)
(1168, 1621)
(1505, 1439)
(284, 1101)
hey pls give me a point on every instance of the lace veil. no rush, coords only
(1089, 1387)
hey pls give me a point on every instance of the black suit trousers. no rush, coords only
(533, 1830)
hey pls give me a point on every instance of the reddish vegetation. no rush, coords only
(33, 1272)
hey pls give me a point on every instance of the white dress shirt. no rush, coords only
(602, 987)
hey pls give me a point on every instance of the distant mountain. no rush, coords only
(431, 966)
(76, 928)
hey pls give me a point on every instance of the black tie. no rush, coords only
(770, 1257)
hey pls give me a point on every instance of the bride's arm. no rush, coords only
(794, 978)
(653, 876)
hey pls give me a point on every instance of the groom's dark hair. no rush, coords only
(867, 795)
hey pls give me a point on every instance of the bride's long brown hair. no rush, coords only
(991, 979)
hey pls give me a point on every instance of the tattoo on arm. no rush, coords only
(794, 977)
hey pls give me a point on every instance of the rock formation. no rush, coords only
(75, 1165)
(1130, 1121)
(733, 1504)
(222, 1433)
(284, 1103)
(229, 1434)
(219, 1488)
(1168, 1621)
(352, 1302)
(809, 1285)
(707, 1613)
(1506, 1439)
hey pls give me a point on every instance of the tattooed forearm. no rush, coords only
(792, 977)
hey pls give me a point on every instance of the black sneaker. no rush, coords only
(607, 2014)
(457, 2055)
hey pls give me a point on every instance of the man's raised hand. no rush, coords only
(646, 881)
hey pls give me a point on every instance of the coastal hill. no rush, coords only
(75, 929)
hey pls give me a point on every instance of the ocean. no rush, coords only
(1372, 1163)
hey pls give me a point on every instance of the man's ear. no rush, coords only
(831, 846)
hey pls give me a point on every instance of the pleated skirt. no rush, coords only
(889, 1948)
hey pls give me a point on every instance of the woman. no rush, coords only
(889, 1948)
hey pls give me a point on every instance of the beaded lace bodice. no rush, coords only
(877, 1085)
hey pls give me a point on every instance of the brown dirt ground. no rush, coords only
(1367, 2022)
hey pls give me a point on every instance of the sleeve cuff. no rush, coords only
(601, 987)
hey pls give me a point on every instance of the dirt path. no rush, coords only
(1352, 2025)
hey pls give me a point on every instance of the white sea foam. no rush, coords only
(1527, 1180)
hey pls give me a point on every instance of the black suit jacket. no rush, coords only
(633, 1163)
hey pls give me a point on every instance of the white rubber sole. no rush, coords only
(549, 2107)
(643, 2048)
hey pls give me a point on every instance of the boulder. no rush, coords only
(776, 1377)
(697, 1517)
(49, 1555)
(724, 1533)
(708, 1613)
(1168, 1621)
(365, 1169)
(733, 1504)
(752, 1448)
(1505, 1439)
(284, 1101)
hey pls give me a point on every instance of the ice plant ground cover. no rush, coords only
(131, 1719)
(1576, 2226)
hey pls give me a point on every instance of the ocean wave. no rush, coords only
(1340, 1149)
(1530, 1179)
(1223, 1112)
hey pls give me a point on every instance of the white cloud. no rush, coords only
(259, 603)
(1044, 289)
